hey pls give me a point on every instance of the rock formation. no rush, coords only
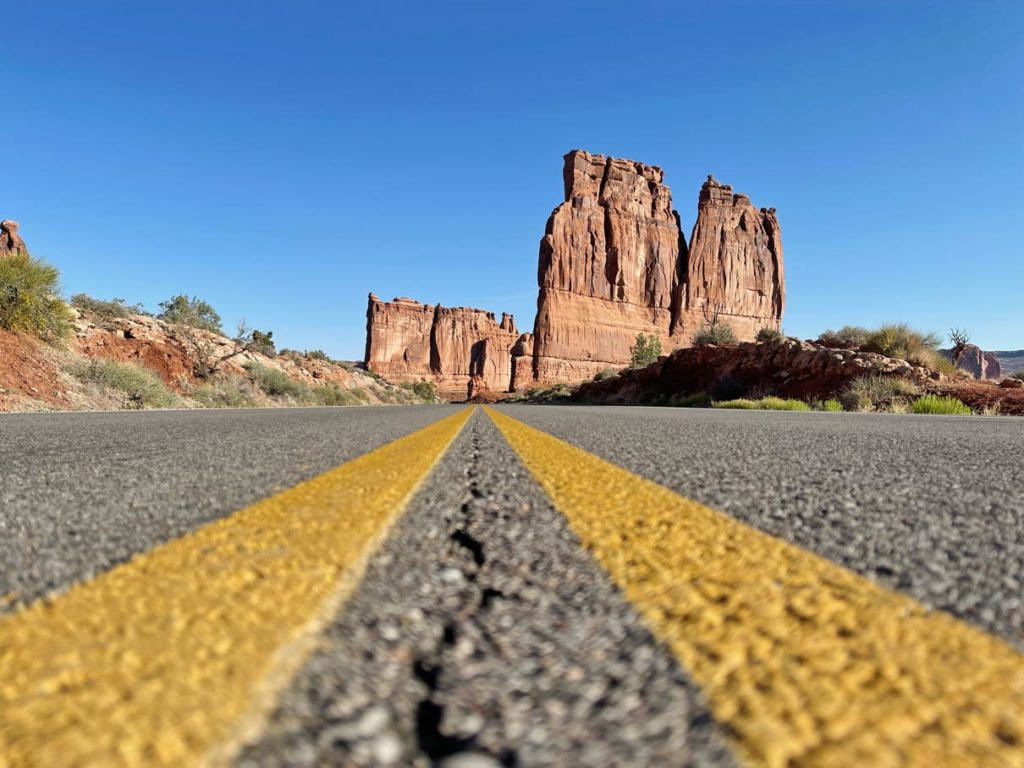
(10, 241)
(734, 268)
(977, 362)
(609, 263)
(457, 347)
(614, 263)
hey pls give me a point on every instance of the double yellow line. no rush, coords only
(174, 657)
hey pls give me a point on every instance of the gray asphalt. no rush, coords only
(483, 634)
(81, 492)
(932, 506)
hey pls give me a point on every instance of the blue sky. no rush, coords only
(281, 160)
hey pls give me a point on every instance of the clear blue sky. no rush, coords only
(283, 159)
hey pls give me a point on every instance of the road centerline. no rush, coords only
(808, 663)
(165, 659)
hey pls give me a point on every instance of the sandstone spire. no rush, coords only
(10, 241)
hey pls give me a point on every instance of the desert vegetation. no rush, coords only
(769, 335)
(645, 351)
(30, 299)
(715, 332)
(898, 340)
(140, 387)
(937, 404)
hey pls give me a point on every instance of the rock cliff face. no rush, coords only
(734, 269)
(614, 263)
(609, 263)
(10, 241)
(453, 347)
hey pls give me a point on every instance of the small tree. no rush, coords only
(959, 339)
(193, 313)
(645, 351)
(263, 343)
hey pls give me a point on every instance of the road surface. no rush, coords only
(523, 585)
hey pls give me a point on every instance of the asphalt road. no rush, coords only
(483, 633)
(932, 506)
(81, 492)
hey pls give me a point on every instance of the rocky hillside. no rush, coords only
(138, 361)
(1010, 361)
(791, 368)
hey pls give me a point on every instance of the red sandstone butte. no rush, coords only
(614, 263)
(451, 346)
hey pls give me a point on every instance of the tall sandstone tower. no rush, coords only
(614, 263)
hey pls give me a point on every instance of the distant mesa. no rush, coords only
(613, 263)
(10, 241)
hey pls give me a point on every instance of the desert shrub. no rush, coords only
(938, 404)
(847, 337)
(547, 394)
(876, 392)
(831, 405)
(425, 391)
(698, 400)
(763, 404)
(228, 392)
(142, 387)
(767, 335)
(645, 351)
(275, 383)
(606, 374)
(29, 298)
(740, 403)
(901, 341)
(1018, 375)
(262, 342)
(105, 310)
(716, 333)
(194, 312)
(317, 354)
(332, 394)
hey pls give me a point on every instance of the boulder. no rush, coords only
(10, 241)
(1012, 384)
(977, 362)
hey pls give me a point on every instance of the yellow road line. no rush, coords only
(804, 661)
(174, 656)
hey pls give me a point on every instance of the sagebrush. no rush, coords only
(29, 298)
(141, 387)
(716, 333)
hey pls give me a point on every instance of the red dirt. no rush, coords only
(26, 372)
(982, 394)
(168, 360)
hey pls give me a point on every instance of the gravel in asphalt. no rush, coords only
(81, 492)
(931, 506)
(483, 635)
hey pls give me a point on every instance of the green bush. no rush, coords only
(142, 387)
(901, 341)
(261, 342)
(275, 383)
(229, 392)
(946, 406)
(645, 351)
(876, 392)
(105, 310)
(317, 354)
(29, 298)
(715, 333)
(769, 335)
(606, 374)
(764, 404)
(831, 405)
(847, 337)
(332, 395)
(193, 313)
